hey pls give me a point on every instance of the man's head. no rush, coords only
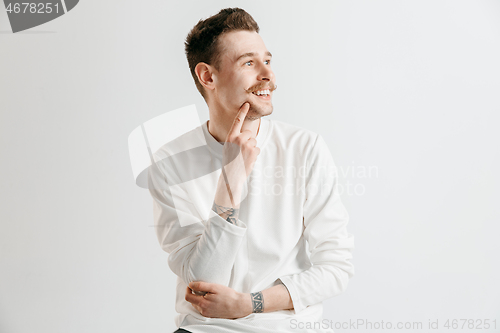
(229, 62)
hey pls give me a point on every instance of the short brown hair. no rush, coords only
(202, 42)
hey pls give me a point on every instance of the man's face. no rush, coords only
(245, 68)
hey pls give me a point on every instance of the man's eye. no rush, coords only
(268, 62)
(248, 63)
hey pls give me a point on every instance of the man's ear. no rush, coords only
(204, 72)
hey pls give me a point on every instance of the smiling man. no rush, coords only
(254, 223)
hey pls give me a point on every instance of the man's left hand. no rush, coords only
(219, 301)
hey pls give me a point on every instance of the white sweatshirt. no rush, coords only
(291, 200)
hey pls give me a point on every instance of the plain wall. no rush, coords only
(405, 93)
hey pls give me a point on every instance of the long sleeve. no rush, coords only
(200, 250)
(325, 219)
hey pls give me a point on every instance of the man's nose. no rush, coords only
(265, 73)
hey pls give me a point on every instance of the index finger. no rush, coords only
(238, 121)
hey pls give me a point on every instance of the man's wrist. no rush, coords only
(257, 302)
(229, 214)
(245, 303)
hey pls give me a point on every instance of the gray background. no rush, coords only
(408, 88)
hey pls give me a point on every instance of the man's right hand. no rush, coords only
(239, 156)
(240, 144)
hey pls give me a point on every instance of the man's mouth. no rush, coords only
(262, 93)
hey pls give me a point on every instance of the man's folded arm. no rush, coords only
(325, 220)
(199, 251)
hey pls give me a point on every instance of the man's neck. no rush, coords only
(219, 126)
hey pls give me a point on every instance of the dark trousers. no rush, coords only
(180, 330)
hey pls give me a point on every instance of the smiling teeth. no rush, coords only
(262, 92)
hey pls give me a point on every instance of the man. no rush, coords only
(236, 212)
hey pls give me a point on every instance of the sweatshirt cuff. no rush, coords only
(294, 294)
(238, 230)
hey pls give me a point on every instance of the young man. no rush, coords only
(236, 211)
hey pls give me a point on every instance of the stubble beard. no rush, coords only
(255, 112)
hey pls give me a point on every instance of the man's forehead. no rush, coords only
(243, 44)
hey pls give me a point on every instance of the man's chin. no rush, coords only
(258, 111)
(255, 113)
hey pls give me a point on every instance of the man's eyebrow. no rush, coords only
(251, 54)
